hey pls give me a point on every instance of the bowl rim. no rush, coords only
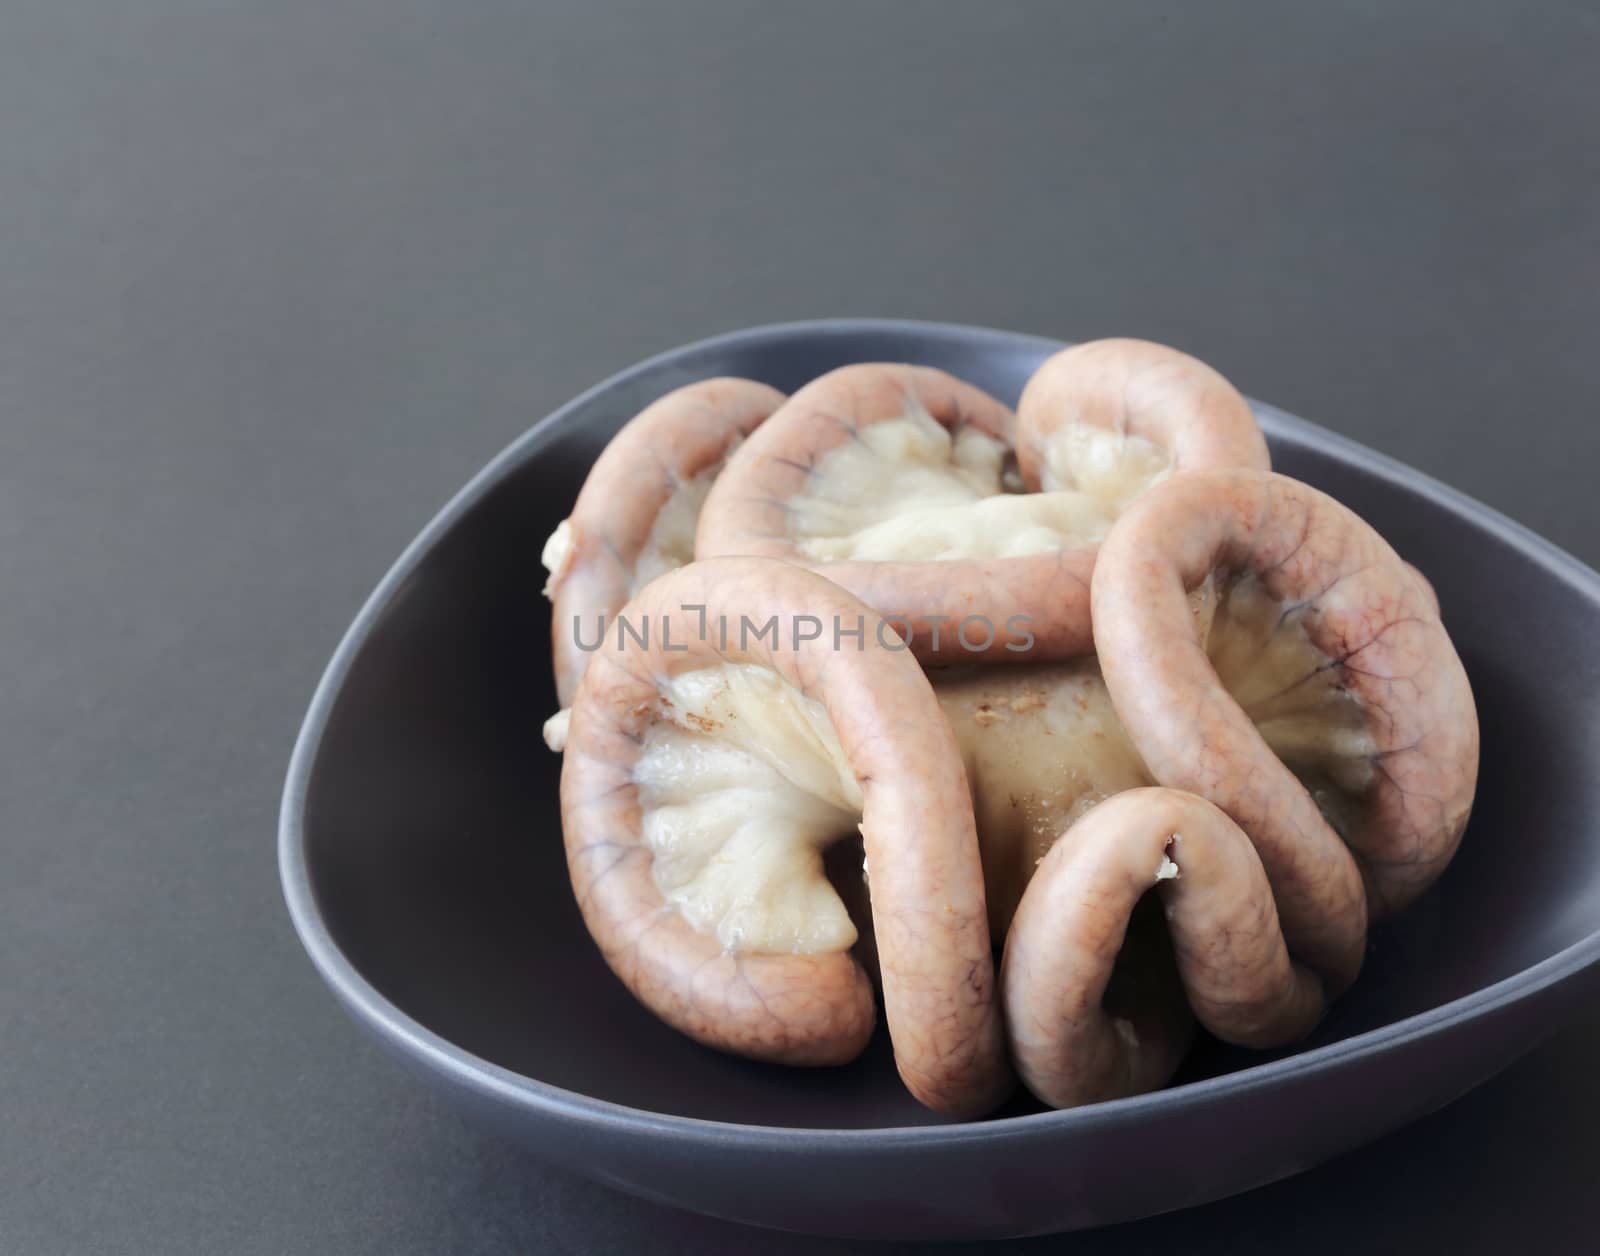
(439, 1055)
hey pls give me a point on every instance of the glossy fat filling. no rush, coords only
(907, 489)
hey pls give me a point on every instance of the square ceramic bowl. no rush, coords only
(423, 865)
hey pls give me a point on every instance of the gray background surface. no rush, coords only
(275, 278)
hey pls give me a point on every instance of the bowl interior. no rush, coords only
(432, 833)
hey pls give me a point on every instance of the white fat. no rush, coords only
(1268, 663)
(557, 556)
(1009, 526)
(670, 544)
(1111, 466)
(742, 786)
(555, 729)
(907, 490)
(1167, 869)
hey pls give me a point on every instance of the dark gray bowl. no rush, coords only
(422, 862)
